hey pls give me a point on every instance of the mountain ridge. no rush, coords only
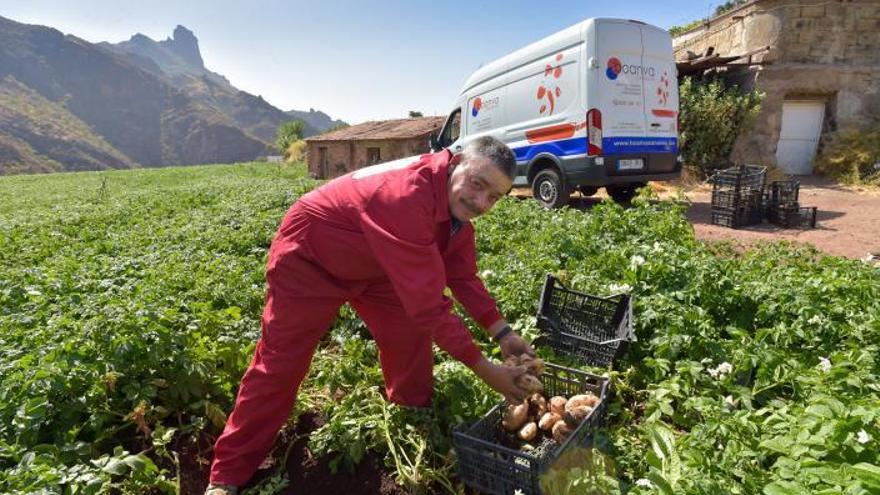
(144, 103)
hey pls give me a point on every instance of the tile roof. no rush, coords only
(384, 129)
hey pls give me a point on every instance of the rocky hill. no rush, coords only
(179, 60)
(140, 102)
(42, 136)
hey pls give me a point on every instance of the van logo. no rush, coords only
(475, 109)
(549, 88)
(663, 90)
(613, 69)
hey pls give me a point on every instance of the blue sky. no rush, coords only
(355, 60)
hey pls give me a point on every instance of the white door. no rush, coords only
(799, 136)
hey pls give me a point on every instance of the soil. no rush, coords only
(848, 219)
(306, 473)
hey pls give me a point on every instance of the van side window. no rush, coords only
(452, 129)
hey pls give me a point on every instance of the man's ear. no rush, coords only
(456, 159)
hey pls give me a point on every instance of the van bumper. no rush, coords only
(584, 171)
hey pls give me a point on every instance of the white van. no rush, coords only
(594, 105)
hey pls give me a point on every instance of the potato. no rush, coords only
(561, 431)
(528, 383)
(548, 420)
(576, 415)
(528, 431)
(515, 415)
(539, 404)
(581, 400)
(535, 365)
(557, 405)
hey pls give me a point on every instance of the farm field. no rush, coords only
(130, 305)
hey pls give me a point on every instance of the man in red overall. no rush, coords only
(387, 239)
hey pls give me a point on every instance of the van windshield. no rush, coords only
(452, 129)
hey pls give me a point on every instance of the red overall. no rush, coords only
(380, 239)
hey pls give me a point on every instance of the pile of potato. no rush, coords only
(556, 416)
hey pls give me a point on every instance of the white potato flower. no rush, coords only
(637, 260)
(620, 288)
(721, 371)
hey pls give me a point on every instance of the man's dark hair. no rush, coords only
(493, 149)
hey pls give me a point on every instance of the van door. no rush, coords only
(621, 87)
(638, 95)
(661, 90)
(450, 133)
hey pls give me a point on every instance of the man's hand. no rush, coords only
(501, 379)
(514, 345)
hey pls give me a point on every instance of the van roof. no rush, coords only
(541, 48)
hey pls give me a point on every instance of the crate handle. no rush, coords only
(561, 331)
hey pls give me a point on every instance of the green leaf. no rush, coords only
(869, 474)
(781, 445)
(660, 482)
(783, 488)
(115, 466)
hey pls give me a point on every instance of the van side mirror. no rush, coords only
(434, 143)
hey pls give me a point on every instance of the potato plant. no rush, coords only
(130, 305)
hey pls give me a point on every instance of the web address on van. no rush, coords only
(635, 144)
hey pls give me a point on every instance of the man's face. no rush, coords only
(474, 187)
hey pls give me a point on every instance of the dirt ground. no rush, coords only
(847, 220)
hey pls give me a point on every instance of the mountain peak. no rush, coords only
(140, 38)
(185, 45)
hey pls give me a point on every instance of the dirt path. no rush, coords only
(848, 220)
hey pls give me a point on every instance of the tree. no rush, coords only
(289, 132)
(415, 113)
(712, 117)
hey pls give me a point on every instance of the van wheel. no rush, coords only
(548, 189)
(623, 193)
(588, 190)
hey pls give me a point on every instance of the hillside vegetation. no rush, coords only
(39, 135)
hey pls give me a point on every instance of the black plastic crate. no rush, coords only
(740, 176)
(593, 330)
(735, 219)
(488, 456)
(792, 215)
(729, 199)
(783, 192)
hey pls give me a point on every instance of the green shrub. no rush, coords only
(288, 133)
(712, 116)
(851, 156)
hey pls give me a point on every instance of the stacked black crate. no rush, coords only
(738, 196)
(783, 208)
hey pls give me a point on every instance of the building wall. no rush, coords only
(819, 50)
(345, 156)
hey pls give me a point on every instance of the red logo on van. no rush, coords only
(613, 68)
(663, 90)
(478, 103)
(548, 89)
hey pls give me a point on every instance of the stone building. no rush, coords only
(338, 152)
(817, 61)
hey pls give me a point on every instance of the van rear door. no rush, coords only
(661, 89)
(638, 93)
